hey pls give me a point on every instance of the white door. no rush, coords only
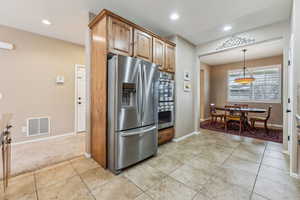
(290, 93)
(80, 98)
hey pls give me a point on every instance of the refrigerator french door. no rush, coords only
(132, 108)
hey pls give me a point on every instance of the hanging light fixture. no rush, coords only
(244, 79)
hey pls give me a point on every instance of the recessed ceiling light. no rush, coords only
(174, 16)
(227, 28)
(46, 22)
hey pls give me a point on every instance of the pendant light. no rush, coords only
(244, 79)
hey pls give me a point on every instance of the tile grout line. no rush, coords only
(230, 155)
(143, 191)
(189, 187)
(220, 165)
(258, 171)
(199, 192)
(82, 180)
(35, 185)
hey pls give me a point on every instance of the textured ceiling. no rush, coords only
(200, 20)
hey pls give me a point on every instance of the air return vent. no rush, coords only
(38, 126)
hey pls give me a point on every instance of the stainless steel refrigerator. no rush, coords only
(132, 111)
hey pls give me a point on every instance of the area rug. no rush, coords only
(275, 135)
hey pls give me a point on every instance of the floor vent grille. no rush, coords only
(38, 126)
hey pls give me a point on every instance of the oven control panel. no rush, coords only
(166, 106)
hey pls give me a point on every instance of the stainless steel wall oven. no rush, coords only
(166, 110)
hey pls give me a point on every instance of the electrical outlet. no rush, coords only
(24, 129)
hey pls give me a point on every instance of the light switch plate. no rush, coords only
(60, 79)
(6, 46)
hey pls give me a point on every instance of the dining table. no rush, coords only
(244, 111)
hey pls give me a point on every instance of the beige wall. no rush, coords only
(27, 80)
(218, 85)
(185, 108)
(206, 89)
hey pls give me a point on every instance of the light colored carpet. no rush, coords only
(31, 156)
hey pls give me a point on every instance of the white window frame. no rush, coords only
(279, 66)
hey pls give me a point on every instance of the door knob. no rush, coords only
(79, 102)
(288, 111)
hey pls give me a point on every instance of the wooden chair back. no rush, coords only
(236, 110)
(212, 108)
(242, 105)
(269, 112)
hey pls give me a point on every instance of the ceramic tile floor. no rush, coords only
(208, 166)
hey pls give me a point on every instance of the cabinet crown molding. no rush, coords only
(106, 12)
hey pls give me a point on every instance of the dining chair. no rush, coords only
(233, 116)
(214, 114)
(264, 119)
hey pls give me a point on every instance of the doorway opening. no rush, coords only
(263, 97)
(202, 95)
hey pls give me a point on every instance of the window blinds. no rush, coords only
(265, 88)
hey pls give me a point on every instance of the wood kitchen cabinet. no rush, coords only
(165, 135)
(142, 45)
(119, 37)
(159, 53)
(170, 58)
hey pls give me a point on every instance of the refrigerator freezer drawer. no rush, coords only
(136, 145)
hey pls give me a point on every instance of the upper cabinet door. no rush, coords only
(119, 37)
(170, 58)
(159, 53)
(142, 45)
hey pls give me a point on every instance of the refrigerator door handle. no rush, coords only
(138, 97)
(132, 133)
(141, 94)
(143, 89)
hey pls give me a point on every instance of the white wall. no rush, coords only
(185, 108)
(206, 88)
(295, 30)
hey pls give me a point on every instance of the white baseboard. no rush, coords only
(276, 125)
(202, 120)
(294, 175)
(286, 152)
(270, 125)
(87, 155)
(44, 138)
(259, 123)
(185, 136)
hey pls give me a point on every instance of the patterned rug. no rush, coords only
(275, 135)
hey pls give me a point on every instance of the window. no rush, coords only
(265, 88)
